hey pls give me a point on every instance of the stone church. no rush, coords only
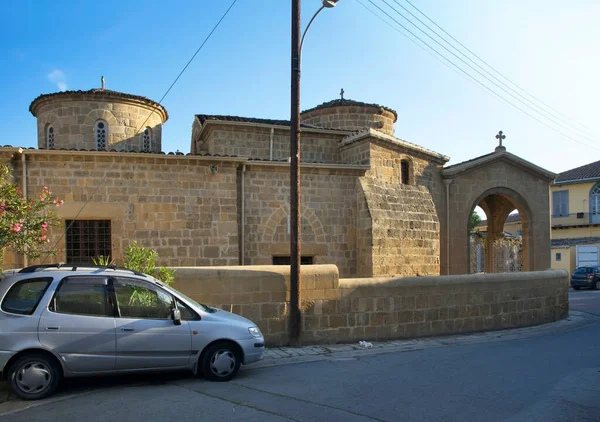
(372, 203)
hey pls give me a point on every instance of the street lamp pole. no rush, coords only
(297, 41)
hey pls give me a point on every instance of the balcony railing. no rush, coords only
(575, 219)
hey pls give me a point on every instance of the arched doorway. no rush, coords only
(499, 183)
(496, 250)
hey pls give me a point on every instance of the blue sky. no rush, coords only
(548, 47)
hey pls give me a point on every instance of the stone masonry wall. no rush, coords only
(174, 205)
(73, 121)
(348, 310)
(255, 142)
(351, 118)
(404, 230)
(328, 209)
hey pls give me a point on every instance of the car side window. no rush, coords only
(187, 314)
(24, 296)
(82, 295)
(138, 299)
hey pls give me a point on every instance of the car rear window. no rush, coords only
(24, 296)
(584, 270)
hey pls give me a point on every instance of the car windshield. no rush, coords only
(202, 306)
(584, 270)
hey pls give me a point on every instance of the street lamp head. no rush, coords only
(329, 3)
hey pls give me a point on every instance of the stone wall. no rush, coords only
(350, 310)
(401, 229)
(351, 118)
(73, 119)
(172, 204)
(255, 142)
(328, 210)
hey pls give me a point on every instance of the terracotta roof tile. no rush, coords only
(98, 92)
(350, 103)
(275, 122)
(589, 171)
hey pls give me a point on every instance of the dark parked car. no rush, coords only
(586, 277)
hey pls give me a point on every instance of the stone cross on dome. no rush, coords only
(342, 93)
(102, 81)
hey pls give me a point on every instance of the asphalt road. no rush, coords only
(550, 377)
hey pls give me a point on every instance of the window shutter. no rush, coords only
(556, 203)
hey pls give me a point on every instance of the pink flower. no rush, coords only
(60, 202)
(46, 189)
(17, 227)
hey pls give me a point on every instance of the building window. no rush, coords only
(147, 140)
(50, 137)
(558, 256)
(87, 239)
(101, 133)
(560, 203)
(405, 171)
(286, 260)
(595, 204)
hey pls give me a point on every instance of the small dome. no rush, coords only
(99, 119)
(351, 115)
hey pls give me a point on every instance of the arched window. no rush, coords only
(405, 171)
(49, 137)
(147, 140)
(101, 135)
(595, 204)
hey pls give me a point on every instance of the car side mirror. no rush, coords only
(176, 316)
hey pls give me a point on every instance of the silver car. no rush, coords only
(58, 321)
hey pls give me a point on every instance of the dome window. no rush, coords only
(50, 137)
(147, 140)
(101, 134)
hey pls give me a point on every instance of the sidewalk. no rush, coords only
(289, 355)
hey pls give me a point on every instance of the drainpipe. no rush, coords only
(271, 144)
(243, 242)
(448, 182)
(24, 189)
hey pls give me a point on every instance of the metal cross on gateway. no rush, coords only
(342, 93)
(500, 136)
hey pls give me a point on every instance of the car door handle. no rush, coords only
(52, 328)
(126, 329)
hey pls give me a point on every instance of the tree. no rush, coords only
(24, 222)
(474, 220)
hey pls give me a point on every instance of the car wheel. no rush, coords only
(576, 288)
(221, 361)
(34, 376)
(597, 285)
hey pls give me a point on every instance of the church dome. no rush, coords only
(98, 119)
(350, 115)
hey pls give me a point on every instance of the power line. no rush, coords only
(139, 128)
(496, 71)
(543, 112)
(476, 70)
(478, 81)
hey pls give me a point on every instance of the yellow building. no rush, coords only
(512, 226)
(575, 220)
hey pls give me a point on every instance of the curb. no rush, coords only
(288, 355)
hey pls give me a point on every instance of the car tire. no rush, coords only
(34, 376)
(221, 361)
(596, 285)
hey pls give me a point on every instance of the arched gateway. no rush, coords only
(499, 183)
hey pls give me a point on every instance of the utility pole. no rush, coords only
(295, 319)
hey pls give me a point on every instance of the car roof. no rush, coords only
(63, 270)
